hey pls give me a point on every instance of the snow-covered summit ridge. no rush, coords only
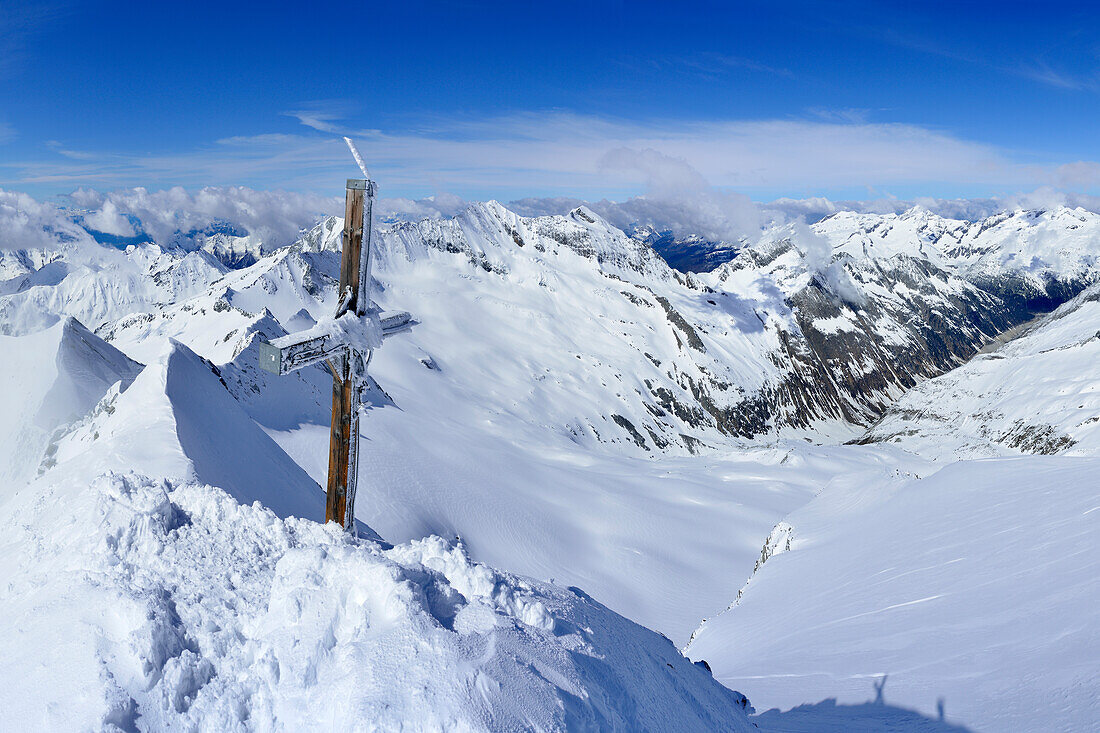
(223, 616)
(518, 416)
(1035, 245)
(51, 379)
(488, 233)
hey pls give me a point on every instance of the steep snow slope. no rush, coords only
(95, 284)
(152, 606)
(178, 421)
(1038, 394)
(544, 363)
(569, 304)
(788, 335)
(50, 379)
(803, 331)
(855, 331)
(574, 409)
(968, 591)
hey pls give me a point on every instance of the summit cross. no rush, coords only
(345, 345)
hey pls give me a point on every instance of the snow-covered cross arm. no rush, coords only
(328, 339)
(344, 343)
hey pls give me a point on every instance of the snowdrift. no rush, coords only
(572, 409)
(177, 420)
(151, 605)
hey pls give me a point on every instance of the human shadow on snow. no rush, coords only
(873, 715)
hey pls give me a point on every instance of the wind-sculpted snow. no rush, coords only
(51, 379)
(488, 394)
(181, 608)
(572, 408)
(177, 420)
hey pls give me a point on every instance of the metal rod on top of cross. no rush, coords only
(337, 350)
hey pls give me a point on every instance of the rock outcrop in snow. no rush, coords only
(805, 332)
(1040, 393)
(553, 359)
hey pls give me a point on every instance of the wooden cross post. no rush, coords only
(354, 280)
(347, 363)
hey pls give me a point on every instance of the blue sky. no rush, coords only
(483, 100)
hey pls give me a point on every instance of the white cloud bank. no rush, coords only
(569, 154)
(275, 216)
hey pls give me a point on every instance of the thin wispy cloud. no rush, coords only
(1045, 74)
(7, 133)
(60, 149)
(563, 153)
(1036, 70)
(850, 115)
(706, 64)
(323, 115)
(19, 22)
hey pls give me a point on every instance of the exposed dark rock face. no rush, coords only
(777, 337)
(853, 373)
(678, 321)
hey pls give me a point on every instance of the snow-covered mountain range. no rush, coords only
(567, 406)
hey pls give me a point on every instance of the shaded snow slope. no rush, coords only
(177, 420)
(51, 379)
(1038, 394)
(574, 409)
(545, 368)
(801, 333)
(181, 607)
(969, 589)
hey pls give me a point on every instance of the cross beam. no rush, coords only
(338, 350)
(291, 353)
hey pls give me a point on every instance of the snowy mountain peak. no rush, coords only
(51, 378)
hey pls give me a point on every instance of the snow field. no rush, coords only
(969, 588)
(152, 605)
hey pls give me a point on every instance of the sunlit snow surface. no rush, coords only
(516, 426)
(151, 606)
(970, 590)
